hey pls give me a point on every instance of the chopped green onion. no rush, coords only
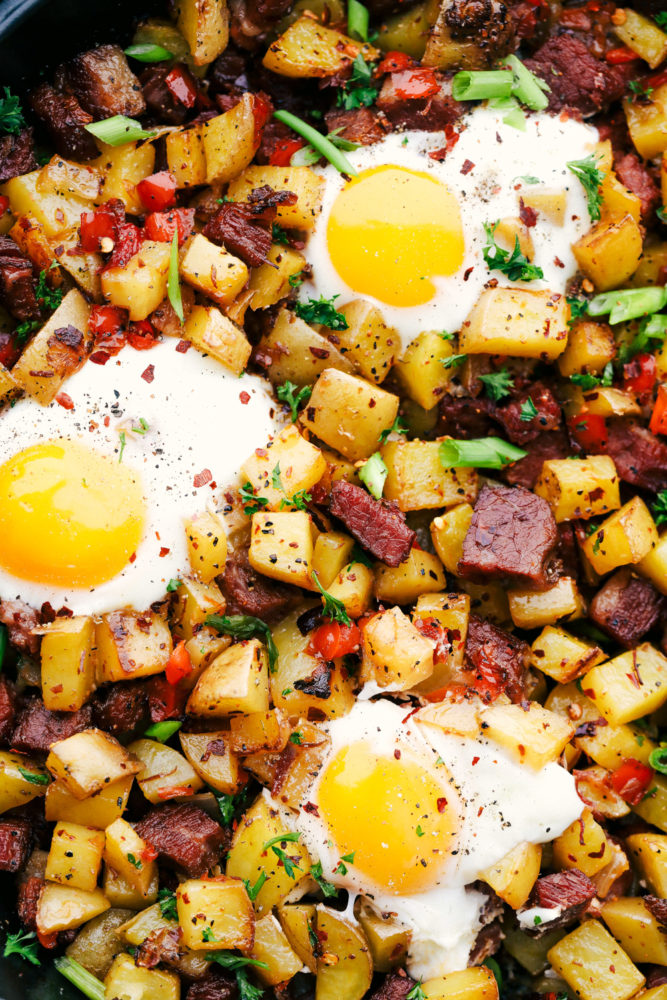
(373, 474)
(491, 964)
(527, 87)
(118, 130)
(481, 85)
(35, 778)
(629, 303)
(320, 142)
(481, 453)
(357, 20)
(145, 52)
(173, 284)
(308, 155)
(658, 759)
(85, 981)
(516, 119)
(162, 731)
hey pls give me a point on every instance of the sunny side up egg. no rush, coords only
(407, 231)
(93, 499)
(422, 813)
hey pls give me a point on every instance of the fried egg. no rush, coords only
(93, 497)
(422, 813)
(407, 232)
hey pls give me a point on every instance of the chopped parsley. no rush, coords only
(296, 280)
(587, 381)
(142, 428)
(252, 504)
(238, 965)
(167, 902)
(34, 777)
(289, 864)
(659, 507)
(528, 179)
(11, 117)
(514, 265)
(578, 308)
(278, 235)
(321, 311)
(296, 738)
(333, 608)
(231, 804)
(290, 393)
(498, 384)
(173, 585)
(640, 89)
(398, 427)
(341, 866)
(591, 178)
(49, 298)
(300, 500)
(23, 330)
(135, 862)
(661, 19)
(246, 627)
(453, 361)
(528, 411)
(660, 212)
(276, 481)
(651, 335)
(359, 91)
(419, 831)
(253, 890)
(327, 888)
(123, 442)
(24, 945)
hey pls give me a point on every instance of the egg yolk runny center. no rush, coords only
(69, 516)
(391, 230)
(392, 814)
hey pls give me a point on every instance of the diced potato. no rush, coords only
(302, 181)
(643, 36)
(448, 531)
(584, 845)
(354, 587)
(522, 323)
(211, 757)
(605, 401)
(138, 926)
(331, 555)
(416, 479)
(395, 653)
(387, 938)
(97, 944)
(636, 929)
(653, 259)
(121, 893)
(299, 463)
(469, 984)
(445, 52)
(165, 774)
(207, 545)
(203, 647)
(648, 852)
(580, 487)
(47, 360)
(29, 234)
(534, 736)
(551, 203)
(421, 369)
(125, 979)
(98, 810)
(514, 876)
(629, 686)
(62, 907)
(257, 731)
(509, 230)
(186, 159)
(609, 252)
(87, 761)
(195, 601)
(8, 387)
(270, 282)
(309, 757)
(129, 856)
(281, 546)
(53, 212)
(67, 178)
(626, 537)
(140, 285)
(653, 807)
(654, 564)
(132, 644)
(75, 856)
(273, 950)
(205, 26)
(213, 333)
(488, 600)
(348, 413)
(21, 779)
(236, 681)
(535, 608)
(122, 168)
(83, 266)
(344, 967)
(209, 269)
(368, 341)
(296, 920)
(421, 573)
(298, 353)
(594, 965)
(590, 347)
(215, 914)
(308, 49)
(68, 665)
(452, 611)
(229, 141)
(563, 656)
(594, 788)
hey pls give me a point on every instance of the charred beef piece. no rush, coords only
(525, 472)
(64, 119)
(567, 550)
(396, 986)
(632, 173)
(184, 836)
(245, 227)
(640, 457)
(20, 619)
(160, 102)
(17, 155)
(626, 607)
(164, 700)
(487, 22)
(487, 943)
(431, 114)
(103, 83)
(28, 899)
(15, 844)
(512, 534)
(17, 288)
(160, 946)
(216, 985)
(378, 525)
(8, 704)
(252, 20)
(229, 73)
(497, 660)
(465, 417)
(121, 709)
(577, 80)
(358, 125)
(37, 728)
(570, 891)
(249, 593)
(547, 418)
(657, 907)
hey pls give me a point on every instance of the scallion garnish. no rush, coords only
(319, 142)
(480, 453)
(527, 87)
(373, 474)
(658, 759)
(308, 155)
(145, 52)
(357, 20)
(85, 981)
(162, 731)
(481, 85)
(118, 130)
(173, 284)
(628, 303)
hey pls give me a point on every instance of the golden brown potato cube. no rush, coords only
(52, 211)
(590, 347)
(609, 253)
(66, 178)
(594, 788)
(636, 929)
(312, 747)
(186, 159)
(302, 181)
(213, 760)
(551, 203)
(257, 731)
(32, 240)
(416, 479)
(331, 555)
(354, 587)
(421, 369)
(281, 546)
(513, 877)
(274, 951)
(62, 907)
(122, 168)
(205, 26)
(87, 761)
(648, 852)
(207, 545)
(270, 282)
(579, 487)
(445, 52)
(452, 611)
(522, 323)
(236, 681)
(129, 855)
(195, 601)
(344, 967)
(125, 979)
(643, 36)
(605, 401)
(68, 664)
(299, 466)
(511, 229)
(563, 656)
(594, 965)
(421, 573)
(448, 531)
(50, 358)
(625, 537)
(584, 845)
(98, 810)
(387, 938)
(297, 922)
(646, 122)
(165, 773)
(535, 736)
(395, 653)
(84, 267)
(213, 333)
(653, 259)
(8, 386)
(119, 892)
(629, 686)
(477, 983)
(368, 341)
(298, 353)
(140, 285)
(653, 807)
(536, 608)
(132, 644)
(229, 141)
(654, 564)
(209, 269)
(308, 49)
(75, 856)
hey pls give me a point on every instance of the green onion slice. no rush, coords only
(118, 130)
(481, 85)
(335, 156)
(145, 52)
(373, 474)
(162, 731)
(480, 453)
(173, 284)
(357, 20)
(527, 87)
(629, 303)
(85, 981)
(658, 759)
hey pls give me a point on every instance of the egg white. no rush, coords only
(196, 420)
(502, 156)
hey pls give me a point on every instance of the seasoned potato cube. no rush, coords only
(452, 611)
(395, 653)
(594, 965)
(584, 845)
(308, 760)
(448, 531)
(299, 466)
(514, 876)
(302, 181)
(186, 159)
(21, 779)
(273, 950)
(421, 369)
(636, 929)
(354, 587)
(140, 285)
(75, 856)
(229, 141)
(625, 537)
(31, 238)
(62, 907)
(518, 322)
(416, 479)
(298, 353)
(609, 253)
(52, 211)
(654, 564)
(205, 26)
(445, 52)
(590, 347)
(68, 665)
(87, 761)
(8, 386)
(125, 979)
(122, 168)
(617, 201)
(165, 774)
(211, 757)
(119, 892)
(331, 555)
(195, 602)
(257, 731)
(130, 645)
(551, 203)
(533, 608)
(308, 49)
(236, 681)
(648, 852)
(653, 807)
(368, 341)
(84, 267)
(469, 984)
(348, 413)
(207, 545)
(215, 914)
(605, 401)
(563, 656)
(50, 358)
(215, 334)
(580, 487)
(281, 546)
(534, 736)
(297, 920)
(643, 36)
(511, 229)
(98, 810)
(594, 789)
(629, 686)
(345, 966)
(129, 856)
(388, 939)
(214, 272)
(421, 573)
(270, 282)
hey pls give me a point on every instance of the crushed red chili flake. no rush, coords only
(99, 357)
(244, 397)
(183, 346)
(475, 760)
(468, 165)
(65, 401)
(133, 557)
(164, 551)
(442, 804)
(149, 374)
(202, 478)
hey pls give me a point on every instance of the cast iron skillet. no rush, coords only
(35, 35)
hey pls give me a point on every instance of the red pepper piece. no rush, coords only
(160, 226)
(108, 325)
(128, 242)
(182, 86)
(284, 151)
(4, 204)
(639, 375)
(394, 62)
(620, 55)
(590, 430)
(262, 110)
(158, 191)
(631, 780)
(102, 223)
(658, 423)
(333, 640)
(413, 84)
(141, 335)
(179, 664)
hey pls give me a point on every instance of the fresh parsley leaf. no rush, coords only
(246, 627)
(11, 116)
(358, 555)
(327, 888)
(290, 393)
(419, 831)
(253, 890)
(276, 481)
(659, 507)
(278, 235)
(229, 805)
(514, 265)
(528, 411)
(49, 298)
(238, 965)
(289, 864)
(24, 945)
(661, 213)
(23, 330)
(135, 862)
(498, 384)
(453, 361)
(360, 90)
(578, 308)
(398, 427)
(296, 738)
(207, 934)
(333, 608)
(34, 777)
(173, 585)
(167, 901)
(123, 442)
(528, 179)
(321, 311)
(584, 380)
(661, 19)
(252, 504)
(641, 90)
(300, 500)
(591, 178)
(296, 280)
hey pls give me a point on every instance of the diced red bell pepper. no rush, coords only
(108, 325)
(10, 349)
(333, 640)
(639, 375)
(394, 62)
(262, 110)
(657, 80)
(179, 664)
(413, 84)
(631, 780)
(620, 55)
(590, 430)
(128, 242)
(102, 223)
(4, 204)
(158, 191)
(284, 151)
(181, 85)
(165, 700)
(141, 335)
(160, 226)
(658, 422)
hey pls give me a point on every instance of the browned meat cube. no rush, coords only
(497, 660)
(103, 83)
(17, 155)
(15, 844)
(576, 78)
(184, 836)
(626, 607)
(569, 892)
(378, 525)
(64, 119)
(17, 289)
(37, 728)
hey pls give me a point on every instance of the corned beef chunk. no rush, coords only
(17, 155)
(570, 891)
(7, 709)
(103, 83)
(547, 418)
(15, 844)
(37, 728)
(577, 80)
(431, 114)
(249, 593)
(360, 125)
(64, 120)
(184, 836)
(640, 457)
(497, 660)
(526, 472)
(465, 417)
(17, 287)
(378, 525)
(122, 709)
(216, 985)
(28, 898)
(20, 619)
(658, 909)
(160, 102)
(626, 607)
(245, 227)
(512, 534)
(632, 173)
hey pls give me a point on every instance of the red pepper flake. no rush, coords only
(397, 754)
(133, 557)
(164, 551)
(57, 688)
(183, 346)
(107, 421)
(65, 401)
(480, 810)
(99, 357)
(149, 374)
(467, 273)
(202, 478)
(475, 760)
(310, 807)
(468, 165)
(244, 397)
(442, 805)
(148, 854)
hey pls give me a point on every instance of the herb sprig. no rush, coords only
(514, 265)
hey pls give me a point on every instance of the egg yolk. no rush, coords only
(392, 814)
(391, 230)
(69, 516)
